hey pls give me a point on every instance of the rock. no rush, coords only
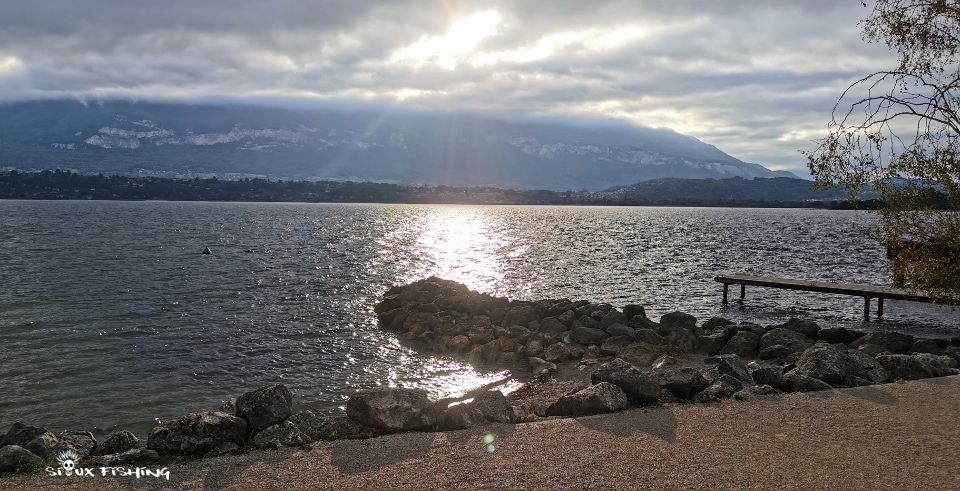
(717, 390)
(459, 344)
(614, 344)
(493, 406)
(792, 358)
(133, 457)
(715, 322)
(265, 407)
(118, 443)
(893, 342)
(197, 433)
(863, 366)
(390, 410)
(797, 382)
(755, 390)
(553, 326)
(630, 311)
(940, 364)
(576, 350)
(227, 448)
(839, 335)
(42, 446)
(566, 318)
(667, 396)
(228, 406)
(520, 316)
(953, 352)
(711, 344)
(824, 362)
(663, 361)
(635, 355)
(339, 428)
(806, 327)
(677, 320)
(309, 424)
(532, 348)
(635, 384)
(794, 341)
(641, 322)
(620, 330)
(587, 335)
(557, 352)
(461, 416)
(20, 434)
(611, 318)
(648, 336)
(749, 327)
(905, 367)
(592, 352)
(285, 434)
(683, 383)
(12, 456)
(932, 346)
(596, 399)
(777, 351)
(854, 381)
(733, 366)
(539, 365)
(743, 344)
(82, 442)
(767, 375)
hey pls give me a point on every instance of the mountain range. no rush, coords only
(401, 147)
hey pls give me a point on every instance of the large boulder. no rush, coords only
(712, 343)
(683, 383)
(638, 387)
(614, 344)
(791, 340)
(941, 365)
(20, 434)
(459, 417)
(493, 406)
(197, 433)
(118, 443)
(636, 355)
(765, 374)
(894, 342)
(615, 330)
(836, 335)
(744, 344)
(43, 446)
(390, 410)
(630, 311)
(864, 366)
(265, 407)
(824, 362)
(596, 399)
(132, 457)
(806, 327)
(734, 366)
(649, 336)
(720, 389)
(520, 316)
(793, 381)
(612, 317)
(557, 352)
(952, 352)
(285, 434)
(12, 456)
(588, 335)
(905, 367)
(932, 346)
(82, 442)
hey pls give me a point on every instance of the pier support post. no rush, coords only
(743, 291)
(866, 308)
(725, 285)
(880, 307)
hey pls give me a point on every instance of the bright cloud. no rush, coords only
(758, 79)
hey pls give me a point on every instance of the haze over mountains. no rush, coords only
(183, 140)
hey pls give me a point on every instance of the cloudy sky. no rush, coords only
(756, 78)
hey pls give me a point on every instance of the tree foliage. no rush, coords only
(897, 132)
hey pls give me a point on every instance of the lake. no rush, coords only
(111, 318)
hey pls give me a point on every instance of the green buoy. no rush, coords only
(206, 250)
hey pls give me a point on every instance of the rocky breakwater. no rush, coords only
(639, 361)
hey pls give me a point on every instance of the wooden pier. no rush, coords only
(866, 291)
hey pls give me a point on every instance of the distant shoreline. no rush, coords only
(65, 185)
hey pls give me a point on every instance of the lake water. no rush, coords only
(111, 318)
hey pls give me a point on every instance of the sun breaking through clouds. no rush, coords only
(755, 78)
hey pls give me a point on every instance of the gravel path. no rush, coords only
(894, 436)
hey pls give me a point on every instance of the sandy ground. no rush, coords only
(893, 436)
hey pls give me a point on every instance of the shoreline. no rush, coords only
(894, 436)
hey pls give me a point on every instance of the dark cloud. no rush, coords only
(755, 78)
